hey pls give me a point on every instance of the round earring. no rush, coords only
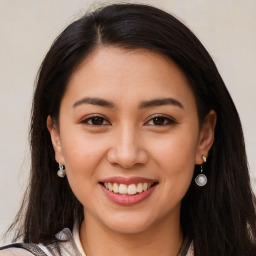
(61, 172)
(201, 179)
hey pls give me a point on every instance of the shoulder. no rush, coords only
(15, 252)
(21, 249)
(64, 245)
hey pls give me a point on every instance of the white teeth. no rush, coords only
(145, 186)
(124, 189)
(139, 188)
(110, 187)
(132, 189)
(115, 188)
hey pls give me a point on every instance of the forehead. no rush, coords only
(119, 74)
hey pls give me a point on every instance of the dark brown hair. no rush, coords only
(220, 218)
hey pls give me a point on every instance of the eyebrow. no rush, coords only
(160, 102)
(144, 104)
(94, 101)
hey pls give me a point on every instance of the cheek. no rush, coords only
(82, 160)
(175, 157)
(83, 155)
(176, 150)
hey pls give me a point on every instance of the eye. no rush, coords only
(160, 121)
(95, 121)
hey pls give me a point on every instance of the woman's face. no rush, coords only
(129, 138)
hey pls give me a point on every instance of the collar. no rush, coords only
(77, 240)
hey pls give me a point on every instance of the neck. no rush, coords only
(163, 239)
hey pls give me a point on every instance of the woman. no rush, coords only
(131, 109)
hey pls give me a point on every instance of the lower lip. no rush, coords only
(127, 200)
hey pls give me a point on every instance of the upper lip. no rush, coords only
(127, 181)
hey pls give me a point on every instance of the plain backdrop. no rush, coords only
(227, 28)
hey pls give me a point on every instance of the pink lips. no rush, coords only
(127, 200)
(127, 181)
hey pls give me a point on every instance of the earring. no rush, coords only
(201, 179)
(61, 172)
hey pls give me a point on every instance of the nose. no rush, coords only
(127, 149)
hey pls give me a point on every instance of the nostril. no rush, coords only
(127, 158)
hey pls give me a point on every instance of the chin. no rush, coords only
(129, 223)
(129, 227)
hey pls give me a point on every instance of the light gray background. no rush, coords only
(27, 28)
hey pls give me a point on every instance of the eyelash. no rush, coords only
(89, 119)
(165, 119)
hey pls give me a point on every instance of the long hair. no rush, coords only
(219, 218)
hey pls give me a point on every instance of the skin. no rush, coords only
(127, 141)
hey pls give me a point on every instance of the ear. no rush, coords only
(56, 142)
(206, 136)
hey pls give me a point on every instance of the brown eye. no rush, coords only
(95, 120)
(160, 121)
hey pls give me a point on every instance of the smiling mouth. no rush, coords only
(131, 189)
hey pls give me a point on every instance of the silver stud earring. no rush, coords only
(201, 179)
(61, 172)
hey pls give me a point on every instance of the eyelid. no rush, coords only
(89, 117)
(170, 119)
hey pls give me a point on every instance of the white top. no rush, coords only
(15, 252)
(71, 246)
(22, 252)
(77, 238)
